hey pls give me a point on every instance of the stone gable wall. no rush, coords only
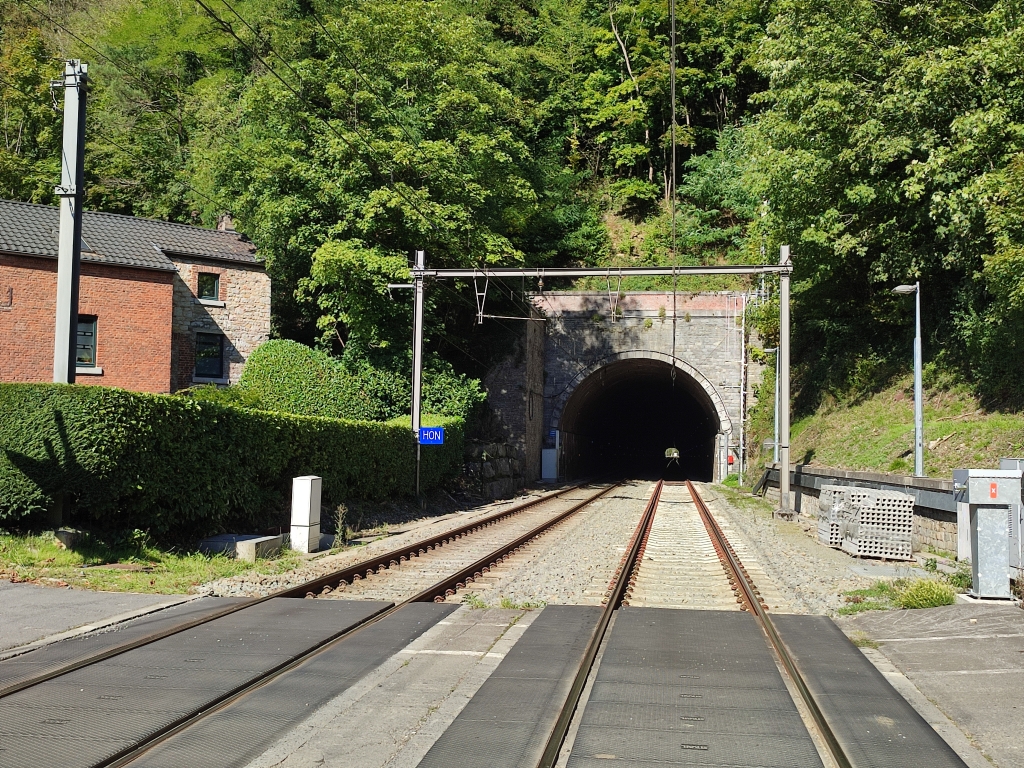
(515, 393)
(244, 320)
(494, 470)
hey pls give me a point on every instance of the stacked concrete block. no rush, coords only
(881, 525)
(837, 505)
(829, 501)
(305, 533)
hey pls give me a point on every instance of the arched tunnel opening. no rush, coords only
(621, 420)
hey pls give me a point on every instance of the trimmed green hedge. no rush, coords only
(182, 468)
(289, 377)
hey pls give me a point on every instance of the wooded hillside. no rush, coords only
(883, 141)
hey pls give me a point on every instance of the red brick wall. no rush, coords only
(133, 329)
(183, 360)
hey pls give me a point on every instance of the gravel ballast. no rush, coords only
(254, 585)
(812, 575)
(573, 563)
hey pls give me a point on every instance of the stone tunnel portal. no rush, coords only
(621, 419)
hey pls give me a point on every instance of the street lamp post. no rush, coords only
(918, 363)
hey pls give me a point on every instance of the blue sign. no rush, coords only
(431, 435)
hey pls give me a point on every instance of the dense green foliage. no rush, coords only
(883, 141)
(890, 150)
(181, 468)
(289, 377)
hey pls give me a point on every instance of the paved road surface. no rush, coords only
(29, 612)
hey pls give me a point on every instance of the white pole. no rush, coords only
(417, 358)
(785, 511)
(918, 398)
(69, 240)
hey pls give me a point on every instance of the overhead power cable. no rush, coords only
(13, 87)
(227, 28)
(264, 40)
(352, 65)
(103, 137)
(138, 157)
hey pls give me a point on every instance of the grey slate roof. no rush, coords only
(109, 238)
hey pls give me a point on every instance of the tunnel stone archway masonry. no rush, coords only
(568, 366)
(591, 348)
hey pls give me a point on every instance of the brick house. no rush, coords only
(162, 306)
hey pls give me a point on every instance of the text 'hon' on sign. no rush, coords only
(431, 435)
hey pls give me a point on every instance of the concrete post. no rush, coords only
(417, 358)
(69, 239)
(785, 511)
(305, 533)
(723, 454)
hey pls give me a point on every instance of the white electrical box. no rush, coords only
(306, 500)
(549, 464)
(305, 533)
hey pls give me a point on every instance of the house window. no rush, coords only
(85, 352)
(209, 355)
(209, 286)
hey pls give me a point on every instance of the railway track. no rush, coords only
(430, 570)
(349, 574)
(677, 547)
(734, 580)
(461, 560)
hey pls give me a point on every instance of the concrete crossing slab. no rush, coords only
(704, 690)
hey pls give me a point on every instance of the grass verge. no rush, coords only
(876, 433)
(886, 595)
(129, 563)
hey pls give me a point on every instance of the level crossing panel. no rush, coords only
(690, 687)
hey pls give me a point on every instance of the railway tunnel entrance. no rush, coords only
(623, 418)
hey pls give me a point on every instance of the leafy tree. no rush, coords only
(887, 127)
(627, 97)
(30, 131)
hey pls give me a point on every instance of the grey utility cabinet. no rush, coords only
(1015, 522)
(989, 494)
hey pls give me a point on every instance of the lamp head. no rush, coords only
(905, 289)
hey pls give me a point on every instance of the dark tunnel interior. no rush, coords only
(621, 419)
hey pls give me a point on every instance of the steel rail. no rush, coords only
(348, 574)
(618, 591)
(437, 591)
(397, 556)
(753, 603)
(451, 584)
